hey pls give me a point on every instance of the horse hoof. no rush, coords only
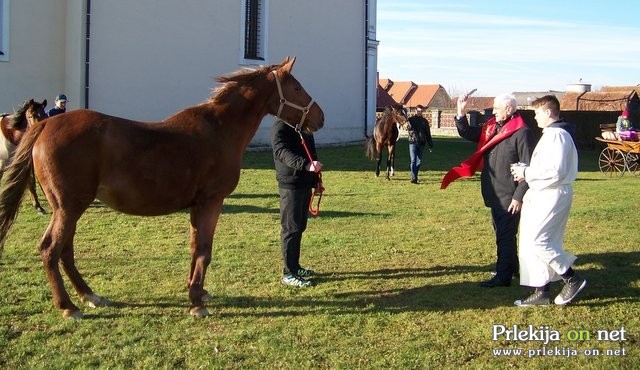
(41, 211)
(94, 300)
(72, 314)
(199, 312)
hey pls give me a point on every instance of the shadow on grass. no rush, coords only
(609, 283)
(613, 283)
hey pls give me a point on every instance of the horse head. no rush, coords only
(35, 111)
(294, 104)
(29, 112)
(400, 117)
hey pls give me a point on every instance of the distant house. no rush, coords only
(410, 95)
(477, 103)
(524, 98)
(608, 99)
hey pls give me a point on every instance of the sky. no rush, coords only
(500, 46)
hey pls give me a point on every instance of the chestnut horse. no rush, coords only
(13, 126)
(385, 133)
(190, 160)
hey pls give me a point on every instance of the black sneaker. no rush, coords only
(303, 272)
(572, 287)
(494, 282)
(538, 298)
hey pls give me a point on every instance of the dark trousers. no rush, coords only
(505, 226)
(294, 213)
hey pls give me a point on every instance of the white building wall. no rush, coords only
(157, 57)
(36, 63)
(152, 58)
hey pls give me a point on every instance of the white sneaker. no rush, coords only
(296, 281)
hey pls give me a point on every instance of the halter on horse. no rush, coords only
(190, 160)
(385, 133)
(13, 127)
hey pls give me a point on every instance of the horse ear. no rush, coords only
(44, 103)
(287, 64)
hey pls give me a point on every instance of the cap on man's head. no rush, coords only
(61, 97)
(625, 113)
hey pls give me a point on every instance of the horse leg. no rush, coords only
(34, 195)
(87, 296)
(379, 151)
(392, 155)
(57, 237)
(389, 169)
(203, 224)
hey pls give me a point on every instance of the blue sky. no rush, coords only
(501, 46)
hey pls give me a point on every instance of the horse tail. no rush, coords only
(16, 180)
(370, 148)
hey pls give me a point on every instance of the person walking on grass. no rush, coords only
(553, 168)
(419, 135)
(297, 176)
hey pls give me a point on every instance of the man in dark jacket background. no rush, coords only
(297, 175)
(419, 135)
(503, 140)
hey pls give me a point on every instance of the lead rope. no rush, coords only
(319, 189)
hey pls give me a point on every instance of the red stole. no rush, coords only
(486, 142)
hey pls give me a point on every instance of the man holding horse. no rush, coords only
(503, 140)
(297, 175)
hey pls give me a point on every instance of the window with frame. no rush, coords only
(254, 27)
(4, 30)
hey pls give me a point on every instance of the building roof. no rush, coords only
(401, 91)
(478, 103)
(524, 98)
(410, 94)
(383, 99)
(597, 100)
(423, 95)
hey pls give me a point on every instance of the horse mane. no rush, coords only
(20, 116)
(231, 83)
(385, 115)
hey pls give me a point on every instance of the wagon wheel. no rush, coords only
(633, 163)
(611, 162)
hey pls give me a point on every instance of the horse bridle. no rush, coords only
(283, 102)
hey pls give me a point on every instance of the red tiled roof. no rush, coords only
(401, 91)
(478, 103)
(423, 95)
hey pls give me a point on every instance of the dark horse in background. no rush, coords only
(13, 127)
(190, 160)
(385, 133)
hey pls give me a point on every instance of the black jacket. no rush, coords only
(497, 184)
(291, 159)
(419, 132)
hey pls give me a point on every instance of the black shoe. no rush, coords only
(572, 287)
(538, 298)
(415, 181)
(494, 282)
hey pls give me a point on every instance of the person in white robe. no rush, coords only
(545, 209)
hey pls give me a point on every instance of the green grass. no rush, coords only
(399, 266)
